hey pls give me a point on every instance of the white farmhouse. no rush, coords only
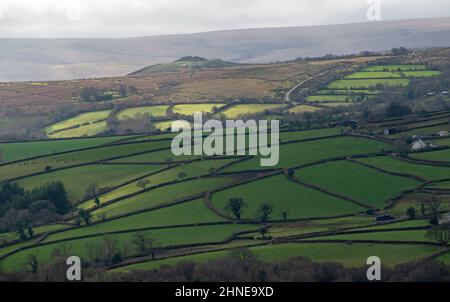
(418, 145)
(443, 133)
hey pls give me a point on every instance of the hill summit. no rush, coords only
(184, 64)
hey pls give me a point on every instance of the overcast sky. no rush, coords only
(130, 18)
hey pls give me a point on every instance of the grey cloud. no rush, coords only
(128, 18)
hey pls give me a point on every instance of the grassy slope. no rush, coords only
(350, 255)
(18, 151)
(186, 213)
(75, 158)
(441, 155)
(393, 165)
(361, 183)
(194, 169)
(156, 111)
(164, 237)
(295, 154)
(301, 202)
(163, 195)
(76, 180)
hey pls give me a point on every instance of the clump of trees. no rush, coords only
(235, 207)
(137, 124)
(245, 266)
(397, 110)
(20, 209)
(93, 94)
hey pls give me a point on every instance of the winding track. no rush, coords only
(287, 97)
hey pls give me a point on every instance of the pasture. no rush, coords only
(354, 255)
(163, 195)
(23, 150)
(191, 212)
(164, 237)
(249, 109)
(194, 169)
(77, 180)
(363, 184)
(190, 109)
(81, 119)
(441, 155)
(303, 109)
(300, 201)
(368, 83)
(406, 67)
(398, 166)
(296, 154)
(139, 112)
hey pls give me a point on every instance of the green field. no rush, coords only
(137, 112)
(75, 158)
(191, 212)
(163, 195)
(336, 104)
(421, 74)
(190, 109)
(18, 151)
(410, 67)
(309, 134)
(350, 84)
(165, 237)
(442, 142)
(195, 169)
(303, 109)
(77, 180)
(441, 155)
(82, 131)
(422, 131)
(363, 184)
(301, 201)
(81, 119)
(373, 75)
(335, 98)
(249, 109)
(354, 255)
(295, 154)
(418, 236)
(398, 166)
(346, 92)
(440, 185)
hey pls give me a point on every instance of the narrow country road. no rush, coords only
(287, 97)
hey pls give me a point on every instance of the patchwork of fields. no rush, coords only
(182, 202)
(363, 85)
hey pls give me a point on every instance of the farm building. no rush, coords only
(418, 145)
(443, 133)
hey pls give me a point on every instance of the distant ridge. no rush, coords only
(184, 64)
(60, 59)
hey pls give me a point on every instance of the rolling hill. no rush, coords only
(84, 58)
(185, 64)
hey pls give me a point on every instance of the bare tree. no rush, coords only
(440, 234)
(33, 262)
(144, 243)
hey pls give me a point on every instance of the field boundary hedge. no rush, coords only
(318, 188)
(415, 177)
(101, 161)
